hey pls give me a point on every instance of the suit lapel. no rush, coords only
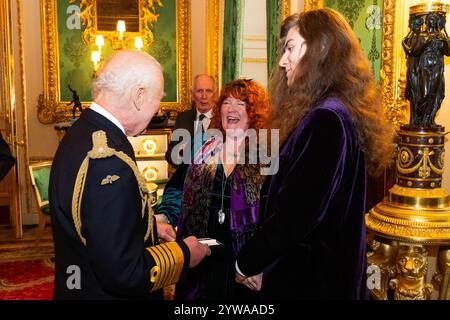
(192, 119)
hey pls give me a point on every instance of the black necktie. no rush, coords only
(200, 123)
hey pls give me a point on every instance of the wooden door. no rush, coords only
(9, 190)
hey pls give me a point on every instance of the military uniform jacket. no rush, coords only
(115, 262)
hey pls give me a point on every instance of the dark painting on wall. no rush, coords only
(109, 11)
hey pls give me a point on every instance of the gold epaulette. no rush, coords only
(169, 264)
(101, 150)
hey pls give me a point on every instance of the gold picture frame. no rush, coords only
(52, 108)
(392, 80)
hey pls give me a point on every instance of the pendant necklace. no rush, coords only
(221, 214)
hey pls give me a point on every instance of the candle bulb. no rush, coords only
(138, 44)
(99, 41)
(121, 28)
(95, 57)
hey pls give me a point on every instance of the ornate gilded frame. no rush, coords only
(392, 79)
(147, 17)
(213, 38)
(285, 8)
(214, 34)
(50, 107)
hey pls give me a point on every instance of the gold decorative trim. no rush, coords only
(253, 48)
(52, 110)
(393, 100)
(425, 164)
(213, 39)
(421, 145)
(285, 9)
(88, 9)
(88, 15)
(429, 7)
(404, 200)
(422, 236)
(184, 66)
(420, 134)
(169, 261)
(253, 37)
(391, 80)
(312, 4)
(254, 60)
(22, 172)
(421, 180)
(9, 93)
(414, 217)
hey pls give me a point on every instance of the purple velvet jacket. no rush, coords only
(311, 243)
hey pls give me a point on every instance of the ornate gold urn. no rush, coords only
(410, 228)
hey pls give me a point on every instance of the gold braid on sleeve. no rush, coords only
(169, 264)
(101, 150)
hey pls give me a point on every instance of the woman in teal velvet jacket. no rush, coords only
(218, 197)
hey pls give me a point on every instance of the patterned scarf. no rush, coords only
(246, 182)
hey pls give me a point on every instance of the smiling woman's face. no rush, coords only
(295, 49)
(234, 114)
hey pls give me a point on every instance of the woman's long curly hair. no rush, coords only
(255, 97)
(333, 65)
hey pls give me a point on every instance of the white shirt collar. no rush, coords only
(99, 109)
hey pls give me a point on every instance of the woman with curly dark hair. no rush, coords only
(217, 195)
(333, 131)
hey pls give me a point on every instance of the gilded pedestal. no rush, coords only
(411, 226)
(413, 219)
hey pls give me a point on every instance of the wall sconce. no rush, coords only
(100, 42)
(118, 42)
(96, 57)
(138, 44)
(121, 28)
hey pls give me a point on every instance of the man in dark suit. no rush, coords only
(7, 161)
(199, 116)
(106, 243)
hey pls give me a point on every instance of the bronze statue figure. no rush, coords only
(75, 101)
(425, 49)
(410, 45)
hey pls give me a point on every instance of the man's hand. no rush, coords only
(197, 249)
(166, 233)
(253, 282)
(239, 278)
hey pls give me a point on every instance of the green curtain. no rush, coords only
(232, 40)
(273, 21)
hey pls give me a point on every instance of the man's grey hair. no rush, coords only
(127, 74)
(204, 75)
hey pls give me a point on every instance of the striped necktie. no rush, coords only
(200, 123)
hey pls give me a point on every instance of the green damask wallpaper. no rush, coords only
(76, 67)
(365, 17)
